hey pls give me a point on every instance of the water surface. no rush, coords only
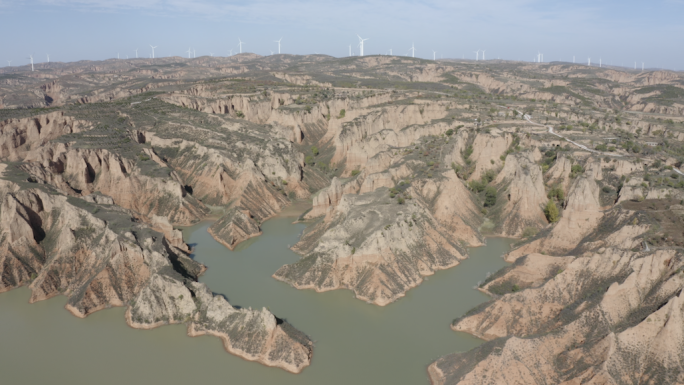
(355, 342)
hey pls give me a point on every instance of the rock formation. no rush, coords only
(234, 227)
(376, 248)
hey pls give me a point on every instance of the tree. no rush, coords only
(551, 211)
(490, 196)
(314, 150)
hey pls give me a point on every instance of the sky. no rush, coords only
(617, 32)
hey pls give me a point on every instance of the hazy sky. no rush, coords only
(619, 32)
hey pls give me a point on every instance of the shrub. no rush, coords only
(450, 132)
(400, 200)
(575, 170)
(529, 232)
(556, 193)
(342, 113)
(239, 114)
(551, 212)
(355, 172)
(477, 186)
(284, 182)
(314, 150)
(490, 196)
(468, 152)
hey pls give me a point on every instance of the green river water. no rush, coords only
(355, 343)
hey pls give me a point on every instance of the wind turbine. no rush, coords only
(349, 49)
(211, 54)
(413, 50)
(477, 55)
(31, 57)
(153, 47)
(271, 52)
(48, 57)
(589, 62)
(188, 51)
(483, 56)
(600, 63)
(194, 53)
(231, 52)
(361, 40)
(240, 44)
(434, 55)
(9, 63)
(390, 51)
(278, 41)
(136, 53)
(117, 56)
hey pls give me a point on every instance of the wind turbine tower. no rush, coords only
(434, 55)
(188, 51)
(413, 50)
(136, 53)
(48, 57)
(278, 41)
(194, 53)
(483, 56)
(240, 44)
(153, 47)
(600, 62)
(9, 63)
(361, 40)
(390, 51)
(589, 62)
(349, 49)
(477, 55)
(31, 57)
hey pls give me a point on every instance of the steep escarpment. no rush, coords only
(76, 171)
(620, 325)
(234, 227)
(607, 311)
(377, 248)
(19, 136)
(249, 177)
(580, 217)
(521, 183)
(56, 245)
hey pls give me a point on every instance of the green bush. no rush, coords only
(551, 212)
(450, 132)
(575, 170)
(314, 150)
(477, 186)
(309, 159)
(355, 172)
(556, 193)
(490, 196)
(342, 113)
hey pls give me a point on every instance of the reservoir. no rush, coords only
(355, 342)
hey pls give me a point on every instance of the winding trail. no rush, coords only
(581, 146)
